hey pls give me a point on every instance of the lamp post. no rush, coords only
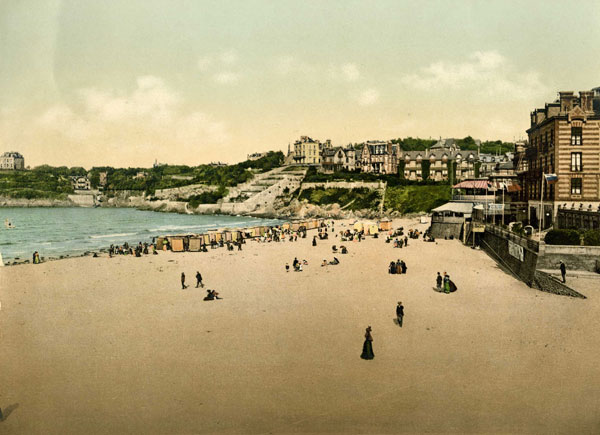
(541, 217)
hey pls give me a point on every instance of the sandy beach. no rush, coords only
(114, 345)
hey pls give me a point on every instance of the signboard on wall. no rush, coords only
(516, 250)
(478, 228)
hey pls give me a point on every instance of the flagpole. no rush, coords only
(541, 218)
(503, 210)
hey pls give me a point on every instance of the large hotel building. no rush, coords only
(564, 139)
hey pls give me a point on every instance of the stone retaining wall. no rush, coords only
(345, 185)
(575, 257)
(496, 245)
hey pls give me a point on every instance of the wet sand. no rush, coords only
(113, 345)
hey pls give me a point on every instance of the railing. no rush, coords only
(473, 198)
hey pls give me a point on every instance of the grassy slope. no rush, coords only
(404, 199)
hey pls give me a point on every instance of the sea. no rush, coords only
(55, 232)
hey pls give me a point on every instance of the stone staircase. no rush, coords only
(259, 193)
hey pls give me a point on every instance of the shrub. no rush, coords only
(562, 237)
(591, 238)
(414, 199)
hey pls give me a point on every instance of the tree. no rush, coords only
(425, 165)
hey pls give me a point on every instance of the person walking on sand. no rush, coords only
(183, 286)
(563, 271)
(438, 282)
(314, 242)
(400, 313)
(199, 279)
(367, 352)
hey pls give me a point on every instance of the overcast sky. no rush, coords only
(187, 82)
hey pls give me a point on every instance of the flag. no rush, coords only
(551, 178)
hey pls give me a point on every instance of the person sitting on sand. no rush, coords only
(343, 249)
(211, 295)
(324, 263)
(305, 262)
(334, 248)
(287, 267)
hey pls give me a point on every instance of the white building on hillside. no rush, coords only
(12, 160)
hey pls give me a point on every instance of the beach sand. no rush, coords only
(113, 345)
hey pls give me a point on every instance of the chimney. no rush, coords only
(585, 100)
(566, 101)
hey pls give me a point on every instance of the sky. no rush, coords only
(88, 83)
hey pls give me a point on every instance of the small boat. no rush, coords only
(8, 224)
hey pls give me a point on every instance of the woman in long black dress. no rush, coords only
(367, 352)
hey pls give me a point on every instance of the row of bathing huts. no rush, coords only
(197, 242)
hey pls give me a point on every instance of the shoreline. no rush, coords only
(103, 251)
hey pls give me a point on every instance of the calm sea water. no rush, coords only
(64, 231)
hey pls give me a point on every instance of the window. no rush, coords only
(575, 186)
(576, 162)
(576, 134)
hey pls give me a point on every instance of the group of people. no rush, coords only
(333, 262)
(126, 249)
(397, 268)
(36, 257)
(444, 283)
(350, 236)
(199, 282)
(399, 243)
(342, 250)
(297, 264)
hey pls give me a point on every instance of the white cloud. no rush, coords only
(227, 77)
(350, 72)
(488, 72)
(368, 97)
(151, 115)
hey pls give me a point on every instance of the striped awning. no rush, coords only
(472, 184)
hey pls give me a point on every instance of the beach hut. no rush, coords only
(358, 226)
(235, 235)
(373, 229)
(195, 243)
(159, 243)
(385, 225)
(294, 226)
(263, 231)
(176, 243)
(227, 235)
(205, 239)
(286, 226)
(256, 232)
(218, 237)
